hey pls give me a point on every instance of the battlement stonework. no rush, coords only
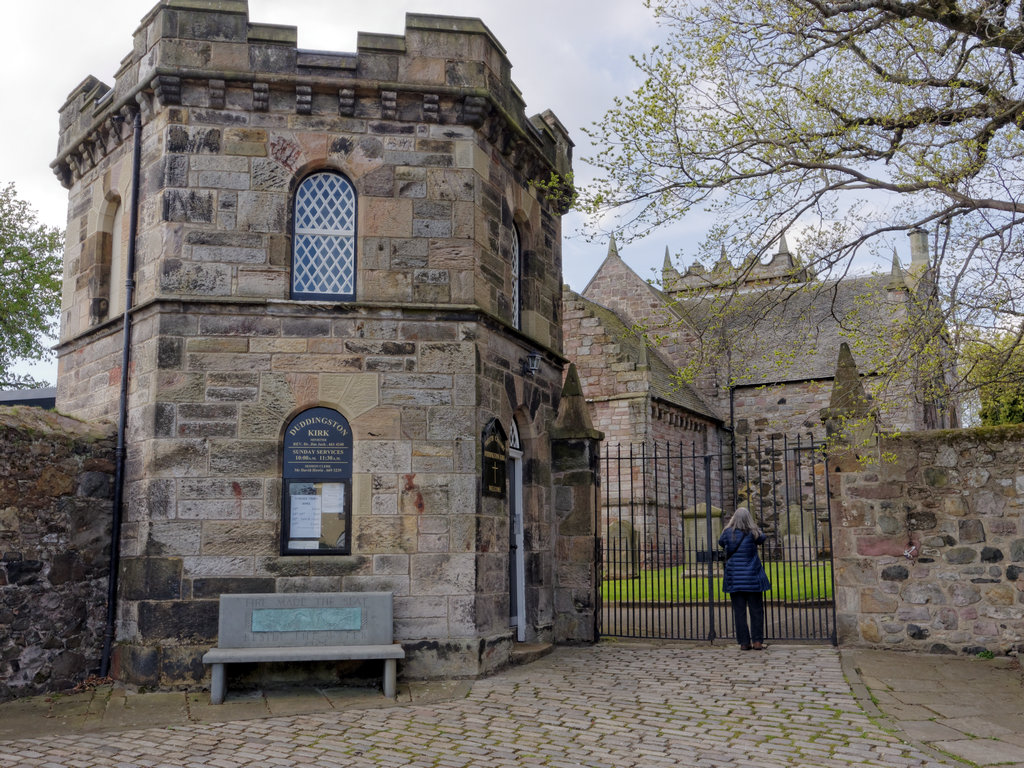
(397, 182)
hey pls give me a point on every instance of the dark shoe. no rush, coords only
(758, 646)
(744, 647)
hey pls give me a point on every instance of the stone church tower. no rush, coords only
(341, 275)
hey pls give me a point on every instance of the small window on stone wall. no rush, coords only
(116, 292)
(317, 485)
(324, 242)
(517, 280)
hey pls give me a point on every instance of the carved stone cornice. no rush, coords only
(523, 144)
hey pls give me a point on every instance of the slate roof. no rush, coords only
(661, 377)
(798, 339)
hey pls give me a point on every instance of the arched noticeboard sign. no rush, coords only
(317, 484)
(495, 449)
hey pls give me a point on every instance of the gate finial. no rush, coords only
(573, 418)
(851, 418)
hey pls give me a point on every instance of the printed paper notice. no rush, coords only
(305, 517)
(332, 498)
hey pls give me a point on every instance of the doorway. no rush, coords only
(517, 538)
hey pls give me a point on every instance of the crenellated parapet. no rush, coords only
(443, 71)
(783, 267)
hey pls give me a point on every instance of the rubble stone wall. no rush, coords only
(55, 490)
(953, 501)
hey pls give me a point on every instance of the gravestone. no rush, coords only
(695, 531)
(622, 555)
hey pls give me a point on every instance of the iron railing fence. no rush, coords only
(663, 508)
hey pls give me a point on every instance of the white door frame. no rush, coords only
(517, 544)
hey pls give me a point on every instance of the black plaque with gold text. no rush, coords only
(495, 447)
(318, 444)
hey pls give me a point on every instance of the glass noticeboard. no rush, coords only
(317, 515)
(317, 479)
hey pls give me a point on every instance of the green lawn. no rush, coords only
(791, 582)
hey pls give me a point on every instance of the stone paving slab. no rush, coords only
(982, 751)
(614, 705)
(963, 707)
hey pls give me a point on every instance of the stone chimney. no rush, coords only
(919, 257)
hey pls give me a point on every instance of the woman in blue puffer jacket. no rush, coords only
(745, 579)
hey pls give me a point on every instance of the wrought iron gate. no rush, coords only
(663, 508)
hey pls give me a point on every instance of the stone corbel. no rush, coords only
(303, 100)
(63, 173)
(431, 107)
(260, 97)
(502, 137)
(92, 149)
(145, 102)
(123, 120)
(115, 130)
(475, 109)
(346, 102)
(217, 94)
(388, 105)
(87, 160)
(518, 151)
(75, 164)
(106, 137)
(167, 89)
(534, 168)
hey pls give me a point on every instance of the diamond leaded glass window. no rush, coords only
(324, 248)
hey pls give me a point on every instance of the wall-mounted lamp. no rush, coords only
(531, 364)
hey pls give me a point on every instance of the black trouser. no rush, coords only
(741, 603)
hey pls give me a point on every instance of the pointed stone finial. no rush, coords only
(670, 276)
(643, 361)
(847, 389)
(783, 245)
(897, 279)
(850, 416)
(723, 264)
(572, 387)
(613, 248)
(573, 419)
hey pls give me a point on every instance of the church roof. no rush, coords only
(793, 332)
(663, 381)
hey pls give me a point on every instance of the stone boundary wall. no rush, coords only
(954, 500)
(56, 480)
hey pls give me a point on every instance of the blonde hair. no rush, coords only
(743, 521)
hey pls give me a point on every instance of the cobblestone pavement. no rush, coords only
(613, 705)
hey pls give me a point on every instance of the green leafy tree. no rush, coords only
(996, 363)
(30, 266)
(849, 121)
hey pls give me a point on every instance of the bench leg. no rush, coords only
(390, 677)
(217, 686)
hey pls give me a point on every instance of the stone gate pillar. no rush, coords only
(852, 438)
(575, 452)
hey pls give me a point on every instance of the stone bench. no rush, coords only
(307, 626)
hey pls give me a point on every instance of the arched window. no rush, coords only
(324, 243)
(116, 291)
(517, 281)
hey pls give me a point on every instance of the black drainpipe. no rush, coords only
(122, 419)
